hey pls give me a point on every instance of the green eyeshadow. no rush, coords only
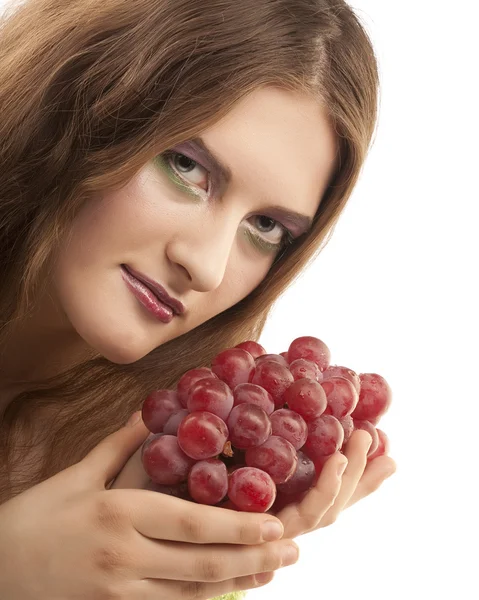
(262, 245)
(162, 161)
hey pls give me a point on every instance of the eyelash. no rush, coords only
(287, 239)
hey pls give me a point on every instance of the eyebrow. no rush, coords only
(298, 221)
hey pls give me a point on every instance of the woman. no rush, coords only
(210, 148)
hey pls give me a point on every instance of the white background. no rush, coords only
(395, 292)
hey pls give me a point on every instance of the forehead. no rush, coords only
(279, 146)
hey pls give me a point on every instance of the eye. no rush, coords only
(188, 169)
(265, 232)
(266, 225)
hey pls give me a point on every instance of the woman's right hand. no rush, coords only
(71, 538)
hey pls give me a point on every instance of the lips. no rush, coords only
(157, 289)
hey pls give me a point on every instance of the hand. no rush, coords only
(69, 538)
(321, 506)
(333, 493)
(133, 475)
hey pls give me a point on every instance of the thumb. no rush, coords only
(108, 458)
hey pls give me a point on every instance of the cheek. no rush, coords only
(248, 267)
(241, 278)
(128, 220)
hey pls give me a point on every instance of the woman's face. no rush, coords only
(207, 237)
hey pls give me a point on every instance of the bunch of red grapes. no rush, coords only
(253, 432)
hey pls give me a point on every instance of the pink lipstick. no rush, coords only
(152, 295)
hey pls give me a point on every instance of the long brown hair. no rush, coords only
(90, 91)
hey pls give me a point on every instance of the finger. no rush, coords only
(106, 459)
(211, 562)
(375, 473)
(164, 517)
(133, 474)
(356, 452)
(161, 589)
(304, 516)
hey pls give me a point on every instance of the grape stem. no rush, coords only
(228, 451)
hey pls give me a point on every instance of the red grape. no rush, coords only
(251, 490)
(233, 468)
(248, 426)
(319, 462)
(347, 424)
(274, 357)
(211, 395)
(302, 478)
(233, 366)
(307, 398)
(374, 397)
(383, 445)
(283, 500)
(255, 421)
(312, 349)
(171, 426)
(202, 435)
(208, 481)
(253, 348)
(188, 380)
(367, 426)
(180, 490)
(341, 395)
(290, 426)
(165, 462)
(302, 368)
(149, 439)
(158, 407)
(325, 437)
(249, 393)
(349, 374)
(274, 378)
(276, 456)
(229, 505)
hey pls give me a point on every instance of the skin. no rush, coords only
(281, 151)
(344, 480)
(278, 145)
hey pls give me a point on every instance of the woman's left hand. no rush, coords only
(133, 475)
(322, 504)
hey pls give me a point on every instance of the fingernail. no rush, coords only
(134, 419)
(272, 530)
(290, 555)
(342, 468)
(262, 578)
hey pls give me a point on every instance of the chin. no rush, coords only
(122, 332)
(122, 356)
(122, 346)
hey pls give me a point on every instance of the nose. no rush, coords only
(202, 253)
